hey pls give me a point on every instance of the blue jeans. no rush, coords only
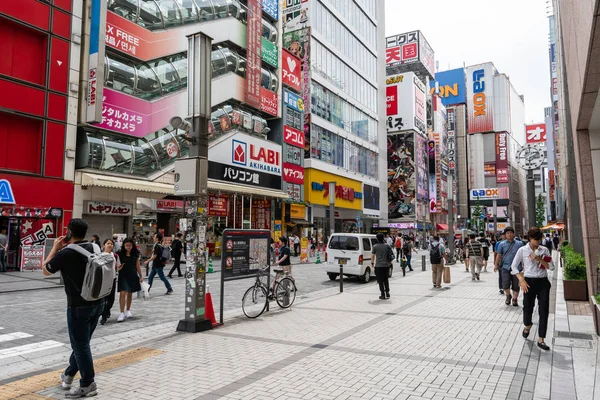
(2, 263)
(408, 258)
(81, 322)
(161, 275)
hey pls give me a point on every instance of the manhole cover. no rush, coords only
(573, 335)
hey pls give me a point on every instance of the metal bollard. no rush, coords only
(423, 263)
(341, 278)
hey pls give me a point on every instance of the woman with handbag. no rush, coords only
(130, 277)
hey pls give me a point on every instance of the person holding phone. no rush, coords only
(130, 277)
(108, 247)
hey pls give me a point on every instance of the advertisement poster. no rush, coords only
(401, 176)
(535, 133)
(254, 54)
(421, 159)
(261, 214)
(432, 177)
(480, 90)
(371, 199)
(405, 103)
(32, 258)
(218, 206)
(290, 70)
(244, 252)
(450, 86)
(489, 170)
(304, 250)
(294, 14)
(501, 157)
(402, 49)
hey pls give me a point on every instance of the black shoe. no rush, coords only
(179, 276)
(542, 345)
(169, 291)
(410, 269)
(501, 291)
(382, 297)
(526, 332)
(387, 294)
(103, 321)
(477, 276)
(508, 299)
(169, 276)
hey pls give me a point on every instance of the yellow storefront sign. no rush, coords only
(297, 211)
(348, 192)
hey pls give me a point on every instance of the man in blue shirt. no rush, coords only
(505, 255)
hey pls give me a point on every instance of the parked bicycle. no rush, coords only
(256, 298)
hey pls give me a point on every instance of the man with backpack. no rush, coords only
(407, 249)
(80, 264)
(437, 254)
(547, 243)
(176, 251)
(398, 245)
(160, 256)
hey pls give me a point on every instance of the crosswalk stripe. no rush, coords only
(14, 336)
(29, 348)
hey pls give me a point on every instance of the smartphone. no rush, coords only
(67, 237)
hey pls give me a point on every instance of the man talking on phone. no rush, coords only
(82, 315)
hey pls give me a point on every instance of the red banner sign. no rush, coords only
(535, 133)
(218, 206)
(391, 100)
(293, 136)
(290, 70)
(254, 56)
(501, 157)
(269, 101)
(293, 173)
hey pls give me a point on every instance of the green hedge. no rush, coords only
(574, 265)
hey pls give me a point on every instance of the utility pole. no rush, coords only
(191, 181)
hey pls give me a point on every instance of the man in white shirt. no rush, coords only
(296, 245)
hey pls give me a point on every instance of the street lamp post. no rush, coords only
(191, 181)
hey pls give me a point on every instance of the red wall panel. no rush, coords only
(64, 4)
(59, 65)
(57, 107)
(55, 149)
(20, 143)
(61, 24)
(30, 11)
(22, 98)
(23, 52)
(41, 192)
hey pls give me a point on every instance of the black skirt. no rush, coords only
(129, 281)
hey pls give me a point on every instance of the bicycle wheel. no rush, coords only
(285, 293)
(254, 301)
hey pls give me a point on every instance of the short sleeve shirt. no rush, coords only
(508, 256)
(157, 262)
(3, 240)
(285, 251)
(381, 251)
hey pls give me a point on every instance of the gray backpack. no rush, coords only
(99, 273)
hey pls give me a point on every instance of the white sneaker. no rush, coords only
(121, 317)
(128, 314)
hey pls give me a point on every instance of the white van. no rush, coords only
(357, 248)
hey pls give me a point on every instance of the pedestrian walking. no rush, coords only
(3, 249)
(496, 246)
(176, 250)
(475, 254)
(109, 247)
(437, 254)
(465, 257)
(407, 249)
(547, 243)
(296, 245)
(556, 241)
(485, 245)
(96, 240)
(160, 256)
(117, 246)
(398, 246)
(533, 280)
(130, 277)
(382, 255)
(82, 315)
(506, 252)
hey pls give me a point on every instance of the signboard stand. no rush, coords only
(245, 251)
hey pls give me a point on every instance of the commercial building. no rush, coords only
(40, 43)
(536, 135)
(124, 181)
(578, 136)
(496, 129)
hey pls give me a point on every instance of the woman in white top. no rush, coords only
(533, 280)
(109, 247)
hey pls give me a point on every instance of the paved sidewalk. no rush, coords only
(458, 342)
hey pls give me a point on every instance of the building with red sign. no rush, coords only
(137, 81)
(40, 43)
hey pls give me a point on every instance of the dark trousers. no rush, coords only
(398, 253)
(176, 266)
(81, 322)
(109, 301)
(500, 278)
(540, 288)
(161, 275)
(408, 258)
(296, 247)
(2, 262)
(383, 280)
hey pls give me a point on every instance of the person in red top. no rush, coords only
(398, 246)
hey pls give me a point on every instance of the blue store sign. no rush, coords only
(271, 7)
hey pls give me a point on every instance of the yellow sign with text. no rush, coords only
(348, 192)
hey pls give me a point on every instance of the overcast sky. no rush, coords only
(513, 34)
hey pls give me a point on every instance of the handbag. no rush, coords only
(446, 274)
(145, 291)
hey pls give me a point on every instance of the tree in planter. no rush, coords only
(477, 213)
(540, 212)
(574, 275)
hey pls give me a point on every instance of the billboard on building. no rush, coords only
(405, 103)
(489, 170)
(254, 53)
(501, 157)
(450, 86)
(410, 50)
(432, 178)
(421, 160)
(291, 70)
(535, 133)
(500, 193)
(480, 96)
(371, 204)
(401, 176)
(294, 14)
(271, 7)
(95, 76)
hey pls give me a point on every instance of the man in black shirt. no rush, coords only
(82, 316)
(176, 248)
(158, 263)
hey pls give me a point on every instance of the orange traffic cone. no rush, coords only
(210, 311)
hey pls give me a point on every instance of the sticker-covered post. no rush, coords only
(191, 181)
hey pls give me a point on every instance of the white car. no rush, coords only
(356, 249)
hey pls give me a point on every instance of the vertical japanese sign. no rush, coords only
(501, 157)
(254, 54)
(432, 177)
(96, 62)
(480, 96)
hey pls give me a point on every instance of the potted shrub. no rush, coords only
(574, 275)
